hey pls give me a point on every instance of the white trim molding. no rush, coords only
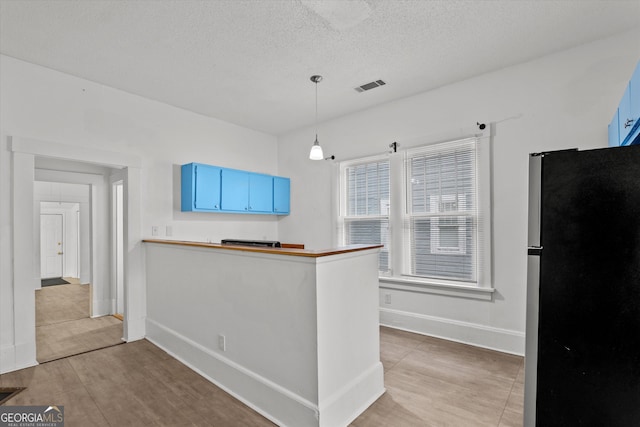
(72, 152)
(286, 407)
(503, 340)
(432, 286)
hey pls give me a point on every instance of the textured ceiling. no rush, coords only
(249, 61)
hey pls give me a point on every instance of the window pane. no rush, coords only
(370, 232)
(441, 211)
(367, 186)
(445, 252)
(367, 189)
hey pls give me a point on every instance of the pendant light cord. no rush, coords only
(316, 110)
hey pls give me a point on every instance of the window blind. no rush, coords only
(440, 225)
(366, 210)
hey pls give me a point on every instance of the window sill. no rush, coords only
(431, 286)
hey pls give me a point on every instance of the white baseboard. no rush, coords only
(271, 400)
(101, 307)
(504, 340)
(337, 409)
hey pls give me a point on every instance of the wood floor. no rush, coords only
(63, 325)
(429, 382)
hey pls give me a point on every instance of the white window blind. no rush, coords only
(440, 225)
(365, 205)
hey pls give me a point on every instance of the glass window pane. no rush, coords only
(441, 181)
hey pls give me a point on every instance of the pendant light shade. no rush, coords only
(316, 150)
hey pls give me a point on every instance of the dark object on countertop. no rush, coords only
(259, 243)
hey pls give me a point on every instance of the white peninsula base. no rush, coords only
(292, 333)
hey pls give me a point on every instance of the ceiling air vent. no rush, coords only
(370, 86)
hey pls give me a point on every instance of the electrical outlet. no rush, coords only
(222, 342)
(387, 298)
(155, 230)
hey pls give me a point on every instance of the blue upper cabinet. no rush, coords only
(260, 193)
(208, 188)
(281, 195)
(200, 188)
(628, 114)
(235, 190)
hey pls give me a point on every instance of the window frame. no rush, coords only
(344, 217)
(396, 278)
(465, 213)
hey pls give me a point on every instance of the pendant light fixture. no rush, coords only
(316, 150)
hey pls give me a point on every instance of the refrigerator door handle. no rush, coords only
(534, 250)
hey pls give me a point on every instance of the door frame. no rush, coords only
(115, 180)
(23, 154)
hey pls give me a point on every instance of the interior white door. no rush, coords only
(51, 245)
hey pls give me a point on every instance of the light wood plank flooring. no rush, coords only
(435, 382)
(429, 382)
(63, 325)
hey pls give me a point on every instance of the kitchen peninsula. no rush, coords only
(293, 333)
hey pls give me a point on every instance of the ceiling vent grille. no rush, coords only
(369, 86)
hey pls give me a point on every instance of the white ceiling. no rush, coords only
(249, 61)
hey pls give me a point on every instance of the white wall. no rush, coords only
(45, 105)
(560, 101)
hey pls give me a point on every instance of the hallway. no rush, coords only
(63, 325)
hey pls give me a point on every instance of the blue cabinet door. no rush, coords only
(235, 190)
(206, 188)
(260, 193)
(200, 187)
(281, 198)
(614, 135)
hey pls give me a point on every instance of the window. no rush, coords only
(429, 206)
(440, 230)
(365, 205)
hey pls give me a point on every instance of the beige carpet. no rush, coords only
(63, 325)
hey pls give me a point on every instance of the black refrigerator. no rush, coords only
(582, 364)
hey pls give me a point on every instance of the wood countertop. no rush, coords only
(311, 253)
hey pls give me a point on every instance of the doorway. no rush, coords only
(66, 322)
(20, 351)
